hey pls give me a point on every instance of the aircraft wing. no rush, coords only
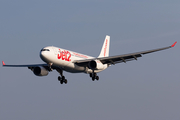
(34, 65)
(29, 66)
(121, 58)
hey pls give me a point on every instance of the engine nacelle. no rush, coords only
(40, 71)
(95, 65)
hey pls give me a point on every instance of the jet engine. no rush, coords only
(40, 71)
(95, 65)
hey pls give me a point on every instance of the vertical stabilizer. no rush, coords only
(105, 47)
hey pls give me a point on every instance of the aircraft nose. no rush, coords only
(44, 54)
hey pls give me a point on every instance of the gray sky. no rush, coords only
(147, 89)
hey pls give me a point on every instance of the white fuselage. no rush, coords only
(63, 59)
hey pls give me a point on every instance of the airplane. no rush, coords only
(65, 60)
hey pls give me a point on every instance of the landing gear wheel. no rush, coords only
(65, 81)
(94, 76)
(61, 81)
(97, 77)
(63, 77)
(59, 78)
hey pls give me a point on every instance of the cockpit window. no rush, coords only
(45, 50)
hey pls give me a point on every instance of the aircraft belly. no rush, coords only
(71, 67)
(68, 66)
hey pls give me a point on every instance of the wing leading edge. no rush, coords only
(121, 58)
(33, 65)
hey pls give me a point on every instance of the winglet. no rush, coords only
(173, 44)
(3, 63)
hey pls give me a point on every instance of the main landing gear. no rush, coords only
(62, 79)
(94, 76)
